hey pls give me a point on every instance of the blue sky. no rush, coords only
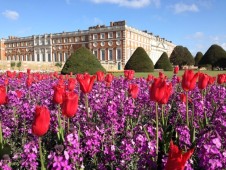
(196, 24)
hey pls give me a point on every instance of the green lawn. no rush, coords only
(170, 73)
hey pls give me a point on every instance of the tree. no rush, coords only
(181, 56)
(214, 56)
(164, 63)
(198, 57)
(81, 61)
(140, 61)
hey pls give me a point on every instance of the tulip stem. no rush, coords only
(163, 121)
(87, 105)
(68, 125)
(187, 119)
(1, 138)
(40, 153)
(157, 129)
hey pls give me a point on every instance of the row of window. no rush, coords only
(21, 44)
(109, 57)
(40, 57)
(110, 35)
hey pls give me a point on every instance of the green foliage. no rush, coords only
(12, 64)
(19, 64)
(214, 56)
(198, 57)
(82, 61)
(140, 61)
(164, 63)
(58, 65)
(181, 56)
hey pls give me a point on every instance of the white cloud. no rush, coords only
(130, 3)
(196, 35)
(13, 15)
(181, 7)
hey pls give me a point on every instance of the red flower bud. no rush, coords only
(157, 89)
(189, 80)
(58, 93)
(133, 90)
(70, 104)
(100, 75)
(150, 77)
(41, 121)
(109, 78)
(129, 74)
(211, 80)
(3, 95)
(203, 81)
(71, 84)
(176, 69)
(221, 78)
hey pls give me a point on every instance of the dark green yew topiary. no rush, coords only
(164, 63)
(82, 61)
(140, 61)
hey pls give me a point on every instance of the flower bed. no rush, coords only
(112, 123)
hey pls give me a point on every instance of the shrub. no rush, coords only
(19, 64)
(164, 63)
(214, 56)
(140, 61)
(58, 65)
(198, 57)
(82, 61)
(181, 56)
(12, 64)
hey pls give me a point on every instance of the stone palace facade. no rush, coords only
(113, 45)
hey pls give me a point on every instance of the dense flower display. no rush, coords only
(112, 124)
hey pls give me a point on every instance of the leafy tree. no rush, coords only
(81, 61)
(214, 56)
(164, 63)
(181, 56)
(198, 57)
(140, 61)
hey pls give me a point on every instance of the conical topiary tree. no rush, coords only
(82, 61)
(198, 57)
(140, 61)
(164, 63)
(214, 56)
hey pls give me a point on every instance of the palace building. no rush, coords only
(113, 46)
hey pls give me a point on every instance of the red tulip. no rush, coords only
(211, 80)
(221, 78)
(100, 75)
(71, 84)
(3, 95)
(19, 93)
(189, 80)
(71, 74)
(129, 74)
(70, 104)
(41, 121)
(86, 82)
(157, 89)
(176, 69)
(29, 80)
(150, 77)
(28, 71)
(109, 78)
(58, 94)
(20, 75)
(178, 79)
(9, 74)
(133, 90)
(183, 97)
(6, 81)
(203, 81)
(177, 159)
(168, 91)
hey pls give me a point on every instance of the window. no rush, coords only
(95, 37)
(110, 35)
(118, 34)
(110, 54)
(65, 40)
(49, 58)
(103, 55)
(55, 57)
(102, 36)
(65, 56)
(59, 40)
(54, 41)
(8, 58)
(60, 57)
(118, 51)
(83, 38)
(43, 57)
(95, 53)
(38, 57)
